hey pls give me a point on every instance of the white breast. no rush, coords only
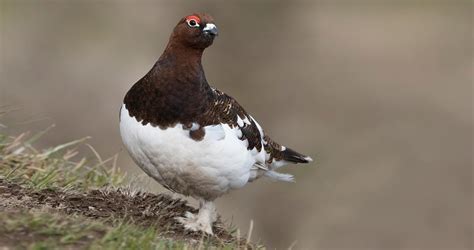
(204, 169)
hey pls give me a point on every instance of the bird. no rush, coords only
(192, 138)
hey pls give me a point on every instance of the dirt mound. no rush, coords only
(141, 208)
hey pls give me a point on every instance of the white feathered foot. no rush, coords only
(203, 220)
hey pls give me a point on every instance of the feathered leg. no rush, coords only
(203, 220)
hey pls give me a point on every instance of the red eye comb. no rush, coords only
(195, 18)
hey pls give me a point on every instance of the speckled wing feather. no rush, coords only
(226, 109)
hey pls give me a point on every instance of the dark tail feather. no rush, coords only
(295, 157)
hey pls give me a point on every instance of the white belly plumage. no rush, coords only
(204, 169)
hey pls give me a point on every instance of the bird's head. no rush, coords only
(197, 31)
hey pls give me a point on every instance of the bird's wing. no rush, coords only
(226, 109)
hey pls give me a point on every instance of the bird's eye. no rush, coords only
(192, 23)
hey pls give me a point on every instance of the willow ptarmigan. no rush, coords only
(191, 138)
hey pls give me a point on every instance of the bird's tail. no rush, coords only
(283, 155)
(290, 155)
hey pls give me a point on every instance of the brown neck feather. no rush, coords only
(174, 91)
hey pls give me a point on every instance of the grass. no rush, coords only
(48, 231)
(55, 199)
(21, 163)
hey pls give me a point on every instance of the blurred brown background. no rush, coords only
(379, 92)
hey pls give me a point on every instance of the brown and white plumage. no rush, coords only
(190, 137)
